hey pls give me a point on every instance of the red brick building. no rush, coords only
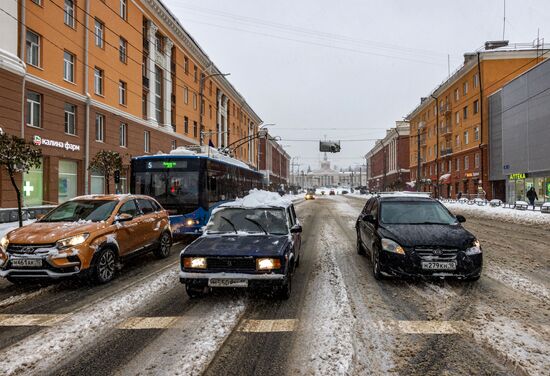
(274, 163)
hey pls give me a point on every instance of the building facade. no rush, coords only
(274, 163)
(326, 176)
(449, 129)
(519, 134)
(77, 77)
(388, 160)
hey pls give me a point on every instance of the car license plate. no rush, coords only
(438, 265)
(26, 263)
(221, 282)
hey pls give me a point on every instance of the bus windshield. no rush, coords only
(171, 188)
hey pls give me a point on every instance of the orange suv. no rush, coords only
(86, 236)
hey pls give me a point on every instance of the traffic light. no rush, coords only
(117, 176)
(329, 146)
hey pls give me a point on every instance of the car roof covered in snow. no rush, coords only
(405, 196)
(259, 199)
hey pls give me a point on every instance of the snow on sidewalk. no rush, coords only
(500, 213)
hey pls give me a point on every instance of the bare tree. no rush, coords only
(18, 156)
(106, 162)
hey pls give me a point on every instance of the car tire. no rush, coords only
(164, 246)
(376, 266)
(360, 248)
(105, 266)
(283, 292)
(194, 292)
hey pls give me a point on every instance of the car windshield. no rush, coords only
(415, 212)
(81, 210)
(238, 220)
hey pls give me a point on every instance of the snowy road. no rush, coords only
(339, 320)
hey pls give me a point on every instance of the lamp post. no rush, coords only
(201, 105)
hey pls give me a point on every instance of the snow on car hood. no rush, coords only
(259, 199)
(238, 245)
(50, 232)
(454, 236)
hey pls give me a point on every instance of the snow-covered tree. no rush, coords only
(106, 162)
(17, 156)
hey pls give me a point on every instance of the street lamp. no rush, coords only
(201, 95)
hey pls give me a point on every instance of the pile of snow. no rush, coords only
(259, 198)
(500, 213)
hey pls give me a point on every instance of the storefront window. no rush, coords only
(547, 194)
(539, 188)
(68, 180)
(97, 184)
(520, 190)
(32, 190)
(122, 187)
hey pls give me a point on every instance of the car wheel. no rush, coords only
(105, 266)
(376, 266)
(360, 248)
(284, 291)
(194, 291)
(164, 247)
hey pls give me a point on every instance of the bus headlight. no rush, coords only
(194, 262)
(191, 222)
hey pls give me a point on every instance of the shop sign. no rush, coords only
(41, 141)
(519, 176)
(471, 174)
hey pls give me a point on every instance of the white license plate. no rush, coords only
(438, 265)
(26, 263)
(221, 282)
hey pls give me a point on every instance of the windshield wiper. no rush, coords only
(257, 224)
(231, 223)
(431, 223)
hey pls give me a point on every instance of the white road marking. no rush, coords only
(30, 320)
(24, 296)
(149, 322)
(268, 326)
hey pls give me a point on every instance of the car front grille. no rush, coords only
(232, 263)
(436, 253)
(27, 248)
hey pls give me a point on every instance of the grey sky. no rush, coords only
(367, 64)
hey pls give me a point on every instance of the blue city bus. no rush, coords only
(191, 185)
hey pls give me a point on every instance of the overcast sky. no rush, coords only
(346, 69)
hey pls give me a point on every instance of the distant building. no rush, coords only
(274, 163)
(388, 160)
(326, 176)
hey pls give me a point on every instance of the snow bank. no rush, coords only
(499, 213)
(259, 198)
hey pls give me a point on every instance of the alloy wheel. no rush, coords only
(106, 266)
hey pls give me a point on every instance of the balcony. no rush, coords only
(445, 131)
(446, 152)
(446, 109)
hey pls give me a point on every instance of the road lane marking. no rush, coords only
(149, 322)
(268, 326)
(30, 320)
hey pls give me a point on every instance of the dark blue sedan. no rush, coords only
(244, 247)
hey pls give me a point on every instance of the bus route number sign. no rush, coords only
(164, 164)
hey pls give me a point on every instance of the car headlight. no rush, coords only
(4, 242)
(268, 264)
(391, 246)
(194, 262)
(72, 241)
(191, 222)
(474, 249)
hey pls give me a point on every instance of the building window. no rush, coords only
(476, 160)
(476, 133)
(122, 92)
(186, 64)
(99, 29)
(67, 180)
(37, 2)
(146, 141)
(476, 80)
(457, 140)
(174, 145)
(34, 101)
(450, 166)
(465, 88)
(466, 162)
(68, 66)
(97, 183)
(194, 101)
(159, 42)
(99, 128)
(195, 73)
(185, 95)
(69, 13)
(456, 95)
(123, 9)
(210, 93)
(33, 48)
(195, 129)
(123, 135)
(70, 119)
(457, 118)
(465, 113)
(158, 95)
(457, 164)
(185, 124)
(476, 106)
(210, 110)
(466, 138)
(122, 50)
(144, 101)
(98, 81)
(32, 190)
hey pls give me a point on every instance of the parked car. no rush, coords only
(247, 243)
(86, 236)
(410, 235)
(331, 192)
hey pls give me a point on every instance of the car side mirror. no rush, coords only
(460, 218)
(368, 218)
(124, 217)
(296, 229)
